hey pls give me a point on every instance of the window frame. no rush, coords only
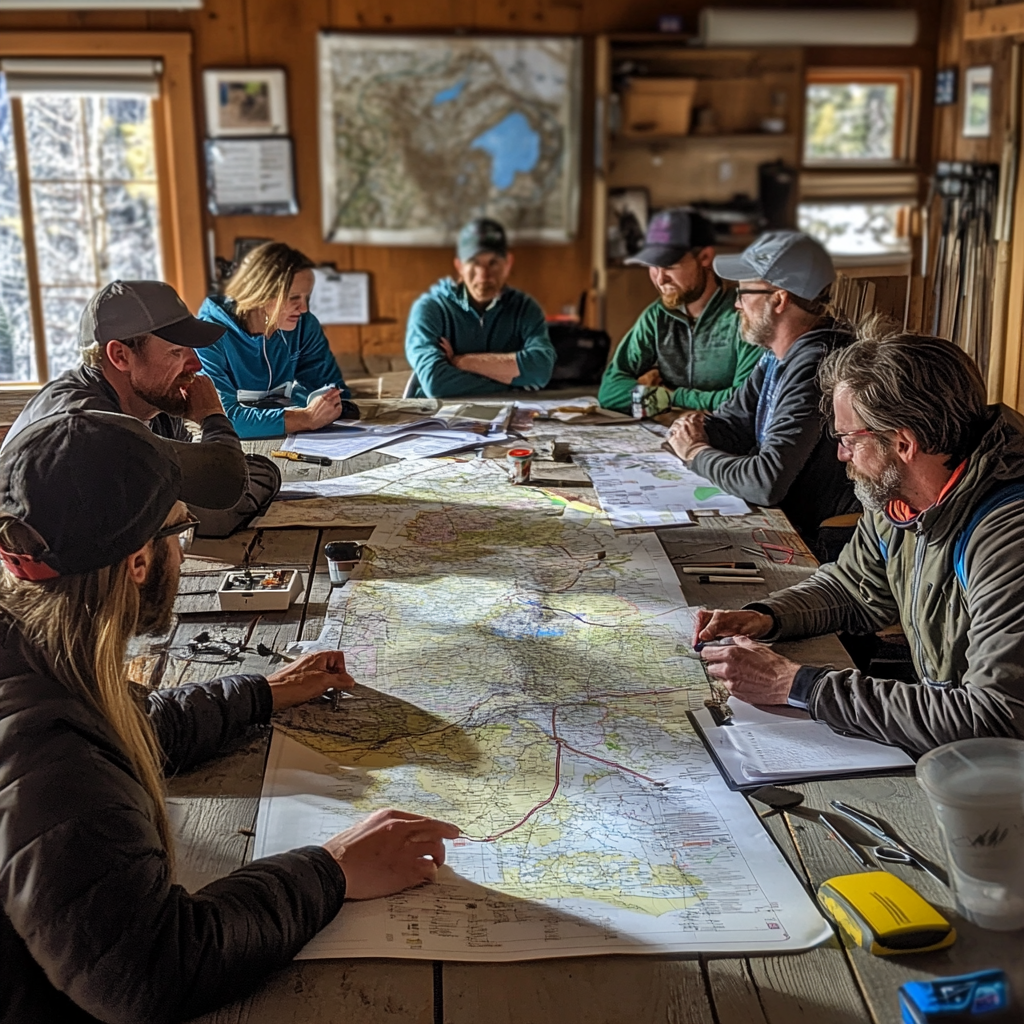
(174, 139)
(908, 85)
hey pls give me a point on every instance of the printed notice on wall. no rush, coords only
(250, 176)
(340, 298)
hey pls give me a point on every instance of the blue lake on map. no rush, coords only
(513, 145)
(451, 93)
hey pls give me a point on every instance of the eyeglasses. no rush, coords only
(840, 438)
(740, 292)
(185, 532)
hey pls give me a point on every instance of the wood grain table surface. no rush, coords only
(214, 813)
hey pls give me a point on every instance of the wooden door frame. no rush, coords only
(173, 129)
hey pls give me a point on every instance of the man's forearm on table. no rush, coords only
(500, 366)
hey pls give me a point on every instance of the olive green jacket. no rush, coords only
(967, 643)
(702, 362)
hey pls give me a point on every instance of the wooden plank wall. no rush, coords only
(283, 33)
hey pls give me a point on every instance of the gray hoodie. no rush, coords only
(769, 444)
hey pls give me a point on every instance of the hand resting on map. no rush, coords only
(390, 851)
(748, 670)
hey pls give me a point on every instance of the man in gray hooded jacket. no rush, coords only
(940, 550)
(767, 443)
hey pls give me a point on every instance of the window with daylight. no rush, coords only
(859, 116)
(871, 229)
(79, 203)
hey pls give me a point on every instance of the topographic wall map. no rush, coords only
(420, 134)
(527, 674)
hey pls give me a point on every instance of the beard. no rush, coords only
(673, 298)
(172, 400)
(757, 331)
(157, 592)
(875, 493)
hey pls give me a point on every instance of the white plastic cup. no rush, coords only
(342, 557)
(976, 789)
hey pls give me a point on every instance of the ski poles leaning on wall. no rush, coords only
(961, 205)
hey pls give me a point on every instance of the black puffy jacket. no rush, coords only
(92, 925)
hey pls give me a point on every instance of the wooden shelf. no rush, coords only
(686, 141)
(994, 22)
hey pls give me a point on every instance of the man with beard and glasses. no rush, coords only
(940, 550)
(767, 444)
(138, 343)
(93, 926)
(687, 342)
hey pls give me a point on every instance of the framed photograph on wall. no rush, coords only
(978, 103)
(245, 101)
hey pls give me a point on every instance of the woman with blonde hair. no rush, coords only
(273, 368)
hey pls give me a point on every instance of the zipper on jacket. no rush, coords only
(920, 545)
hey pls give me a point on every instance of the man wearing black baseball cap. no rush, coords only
(768, 443)
(138, 344)
(92, 926)
(687, 343)
(475, 335)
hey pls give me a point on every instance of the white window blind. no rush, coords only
(27, 76)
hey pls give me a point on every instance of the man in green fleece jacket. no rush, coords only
(939, 549)
(687, 342)
(477, 336)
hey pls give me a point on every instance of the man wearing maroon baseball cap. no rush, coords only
(686, 344)
(138, 343)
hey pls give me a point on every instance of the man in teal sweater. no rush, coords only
(476, 336)
(687, 343)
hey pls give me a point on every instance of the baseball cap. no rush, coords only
(96, 486)
(790, 260)
(481, 235)
(671, 234)
(124, 309)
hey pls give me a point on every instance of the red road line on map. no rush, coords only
(559, 744)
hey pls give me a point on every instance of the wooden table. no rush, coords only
(214, 813)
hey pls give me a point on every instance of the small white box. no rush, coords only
(270, 590)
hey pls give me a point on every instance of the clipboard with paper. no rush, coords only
(770, 745)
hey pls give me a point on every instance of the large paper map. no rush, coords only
(420, 134)
(527, 677)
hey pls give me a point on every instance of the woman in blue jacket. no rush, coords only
(273, 367)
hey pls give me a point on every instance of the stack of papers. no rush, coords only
(761, 745)
(416, 439)
(654, 489)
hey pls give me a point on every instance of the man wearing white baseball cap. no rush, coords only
(768, 444)
(139, 344)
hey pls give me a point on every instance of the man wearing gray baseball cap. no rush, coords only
(138, 344)
(768, 444)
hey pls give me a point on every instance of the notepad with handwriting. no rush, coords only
(763, 745)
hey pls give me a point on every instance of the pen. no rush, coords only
(719, 570)
(317, 460)
(730, 579)
(722, 641)
(854, 852)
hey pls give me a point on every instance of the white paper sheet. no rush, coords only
(440, 442)
(334, 444)
(654, 489)
(340, 298)
(784, 744)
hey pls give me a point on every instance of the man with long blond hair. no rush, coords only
(92, 925)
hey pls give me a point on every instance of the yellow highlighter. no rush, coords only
(883, 914)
